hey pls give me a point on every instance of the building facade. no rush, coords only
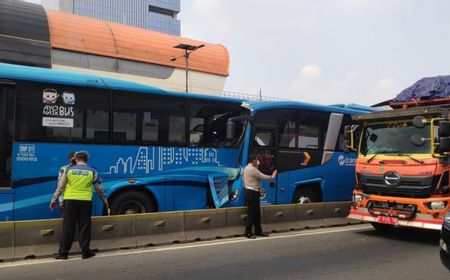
(157, 15)
(36, 36)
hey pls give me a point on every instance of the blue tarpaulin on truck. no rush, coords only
(426, 89)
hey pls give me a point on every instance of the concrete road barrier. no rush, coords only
(159, 228)
(310, 215)
(336, 213)
(235, 221)
(204, 224)
(113, 232)
(279, 218)
(7, 240)
(23, 239)
(36, 238)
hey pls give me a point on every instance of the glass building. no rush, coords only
(157, 15)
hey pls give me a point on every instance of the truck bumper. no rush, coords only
(425, 221)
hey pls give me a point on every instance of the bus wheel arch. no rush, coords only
(132, 200)
(307, 193)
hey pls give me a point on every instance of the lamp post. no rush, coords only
(188, 49)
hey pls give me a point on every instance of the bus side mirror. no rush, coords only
(419, 121)
(444, 144)
(231, 127)
(444, 129)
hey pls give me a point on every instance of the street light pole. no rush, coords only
(188, 49)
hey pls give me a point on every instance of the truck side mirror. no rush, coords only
(417, 140)
(347, 132)
(444, 144)
(444, 129)
(349, 138)
(419, 121)
(231, 128)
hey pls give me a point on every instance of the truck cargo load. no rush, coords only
(426, 91)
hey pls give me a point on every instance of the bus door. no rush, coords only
(7, 100)
(264, 144)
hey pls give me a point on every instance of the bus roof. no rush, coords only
(44, 75)
(267, 105)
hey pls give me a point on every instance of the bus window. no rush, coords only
(288, 135)
(308, 137)
(149, 128)
(124, 126)
(208, 120)
(264, 137)
(62, 114)
(177, 130)
(145, 119)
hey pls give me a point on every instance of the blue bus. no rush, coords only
(158, 150)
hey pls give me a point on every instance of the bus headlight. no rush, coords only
(437, 205)
(234, 195)
(357, 198)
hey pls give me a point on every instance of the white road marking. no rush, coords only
(193, 245)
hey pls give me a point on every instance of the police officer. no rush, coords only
(253, 190)
(77, 184)
(62, 169)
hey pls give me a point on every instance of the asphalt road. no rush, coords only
(352, 252)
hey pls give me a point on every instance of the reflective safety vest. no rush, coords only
(80, 180)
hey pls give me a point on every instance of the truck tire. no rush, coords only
(382, 227)
(132, 202)
(303, 196)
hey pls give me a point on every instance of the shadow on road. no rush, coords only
(413, 235)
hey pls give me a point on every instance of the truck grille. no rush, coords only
(409, 186)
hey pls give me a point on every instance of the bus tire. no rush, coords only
(132, 202)
(382, 227)
(305, 195)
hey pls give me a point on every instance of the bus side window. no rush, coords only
(72, 114)
(208, 123)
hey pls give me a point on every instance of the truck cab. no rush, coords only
(402, 169)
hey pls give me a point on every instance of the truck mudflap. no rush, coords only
(419, 221)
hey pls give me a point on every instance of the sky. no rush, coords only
(324, 51)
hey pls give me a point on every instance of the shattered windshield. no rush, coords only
(393, 138)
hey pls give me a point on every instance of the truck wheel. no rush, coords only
(382, 227)
(303, 196)
(132, 202)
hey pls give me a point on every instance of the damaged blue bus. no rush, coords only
(158, 150)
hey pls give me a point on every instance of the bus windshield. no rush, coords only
(393, 138)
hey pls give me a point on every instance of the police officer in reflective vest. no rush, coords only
(62, 170)
(77, 184)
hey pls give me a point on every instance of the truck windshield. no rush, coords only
(393, 138)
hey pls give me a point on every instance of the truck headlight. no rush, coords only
(357, 198)
(437, 205)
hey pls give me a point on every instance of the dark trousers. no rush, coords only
(254, 212)
(76, 212)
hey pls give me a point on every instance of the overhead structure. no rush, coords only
(31, 35)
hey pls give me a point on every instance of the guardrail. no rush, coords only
(26, 239)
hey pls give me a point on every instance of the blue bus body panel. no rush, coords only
(6, 205)
(177, 177)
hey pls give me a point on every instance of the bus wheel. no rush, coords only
(382, 227)
(132, 202)
(303, 196)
